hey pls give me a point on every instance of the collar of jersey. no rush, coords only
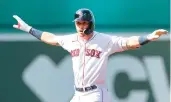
(85, 41)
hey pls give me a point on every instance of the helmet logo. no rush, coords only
(80, 13)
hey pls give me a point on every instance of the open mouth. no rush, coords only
(81, 32)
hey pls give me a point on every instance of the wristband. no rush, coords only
(143, 40)
(36, 33)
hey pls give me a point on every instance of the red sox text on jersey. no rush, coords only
(88, 52)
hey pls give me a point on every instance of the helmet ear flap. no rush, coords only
(91, 26)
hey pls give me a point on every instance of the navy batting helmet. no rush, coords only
(85, 15)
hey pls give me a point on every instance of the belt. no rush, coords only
(86, 88)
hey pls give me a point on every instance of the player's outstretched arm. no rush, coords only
(46, 37)
(137, 41)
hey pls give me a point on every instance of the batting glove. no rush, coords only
(156, 34)
(21, 24)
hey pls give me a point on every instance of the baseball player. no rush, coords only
(90, 51)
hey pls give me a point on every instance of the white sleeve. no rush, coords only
(117, 44)
(63, 41)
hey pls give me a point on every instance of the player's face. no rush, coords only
(81, 26)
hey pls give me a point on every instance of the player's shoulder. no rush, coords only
(108, 35)
(70, 36)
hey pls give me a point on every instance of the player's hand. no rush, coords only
(156, 34)
(21, 24)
